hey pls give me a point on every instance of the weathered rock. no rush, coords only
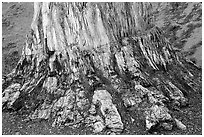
(108, 109)
(167, 126)
(11, 94)
(3, 81)
(130, 101)
(96, 122)
(92, 109)
(59, 92)
(177, 95)
(81, 101)
(17, 133)
(156, 114)
(98, 127)
(150, 104)
(50, 84)
(179, 124)
(66, 101)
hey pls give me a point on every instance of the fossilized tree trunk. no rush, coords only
(91, 63)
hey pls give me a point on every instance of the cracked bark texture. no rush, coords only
(93, 63)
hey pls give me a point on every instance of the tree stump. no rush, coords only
(92, 63)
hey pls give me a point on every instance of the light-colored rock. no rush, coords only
(177, 95)
(59, 92)
(3, 81)
(50, 84)
(108, 109)
(10, 94)
(150, 104)
(44, 114)
(141, 91)
(81, 94)
(156, 114)
(98, 127)
(92, 109)
(65, 101)
(167, 126)
(129, 101)
(179, 124)
(13, 97)
(112, 133)
(81, 101)
(96, 122)
(17, 133)
(92, 119)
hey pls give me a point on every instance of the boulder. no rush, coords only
(103, 99)
(11, 94)
(179, 124)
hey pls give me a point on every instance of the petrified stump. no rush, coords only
(89, 63)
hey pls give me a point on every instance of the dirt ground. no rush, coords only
(183, 27)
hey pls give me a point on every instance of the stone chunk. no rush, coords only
(98, 127)
(10, 94)
(155, 115)
(179, 124)
(167, 126)
(96, 122)
(92, 109)
(50, 84)
(177, 95)
(108, 110)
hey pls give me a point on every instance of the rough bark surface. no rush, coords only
(93, 63)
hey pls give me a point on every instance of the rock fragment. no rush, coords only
(96, 122)
(92, 109)
(50, 84)
(149, 104)
(98, 127)
(108, 110)
(11, 94)
(177, 95)
(155, 115)
(179, 124)
(167, 126)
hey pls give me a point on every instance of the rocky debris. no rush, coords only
(96, 122)
(92, 109)
(17, 133)
(11, 94)
(155, 115)
(179, 124)
(98, 127)
(149, 104)
(140, 93)
(167, 126)
(81, 100)
(3, 81)
(112, 118)
(177, 95)
(50, 84)
(41, 114)
(65, 101)
(64, 109)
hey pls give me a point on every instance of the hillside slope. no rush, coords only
(16, 20)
